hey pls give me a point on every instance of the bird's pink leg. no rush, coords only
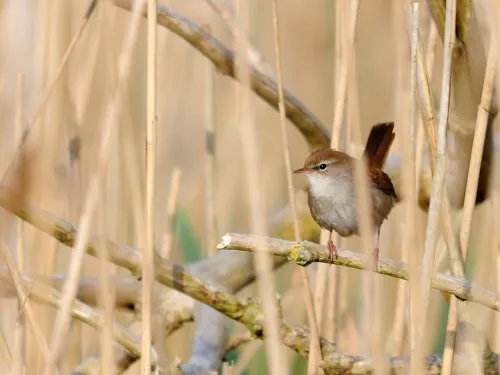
(332, 249)
(375, 250)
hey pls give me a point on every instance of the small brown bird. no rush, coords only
(332, 198)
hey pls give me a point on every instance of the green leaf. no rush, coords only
(187, 240)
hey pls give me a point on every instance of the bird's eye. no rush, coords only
(322, 166)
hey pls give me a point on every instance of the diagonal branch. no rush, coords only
(306, 252)
(44, 294)
(249, 311)
(223, 58)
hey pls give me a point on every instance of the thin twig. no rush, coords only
(315, 351)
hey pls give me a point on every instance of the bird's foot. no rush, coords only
(332, 251)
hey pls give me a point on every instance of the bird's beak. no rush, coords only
(302, 171)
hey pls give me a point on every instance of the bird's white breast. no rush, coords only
(335, 206)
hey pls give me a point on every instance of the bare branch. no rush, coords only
(223, 58)
(305, 253)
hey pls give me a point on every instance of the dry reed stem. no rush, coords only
(344, 74)
(247, 354)
(496, 246)
(258, 220)
(364, 214)
(432, 230)
(471, 189)
(225, 11)
(335, 280)
(148, 253)
(315, 350)
(427, 112)
(288, 303)
(429, 63)
(63, 317)
(451, 332)
(107, 297)
(20, 333)
(344, 59)
(50, 88)
(19, 135)
(343, 70)
(210, 176)
(171, 205)
(401, 305)
(410, 204)
(456, 261)
(4, 349)
(477, 146)
(24, 301)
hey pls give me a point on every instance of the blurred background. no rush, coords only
(65, 141)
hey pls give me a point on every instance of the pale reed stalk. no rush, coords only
(148, 251)
(265, 282)
(344, 57)
(50, 87)
(24, 301)
(471, 191)
(20, 332)
(171, 205)
(110, 120)
(410, 204)
(210, 177)
(315, 350)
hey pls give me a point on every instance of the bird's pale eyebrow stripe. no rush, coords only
(323, 162)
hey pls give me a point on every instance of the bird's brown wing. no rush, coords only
(382, 181)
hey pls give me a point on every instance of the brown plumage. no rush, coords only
(331, 193)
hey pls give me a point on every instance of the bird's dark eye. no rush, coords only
(322, 166)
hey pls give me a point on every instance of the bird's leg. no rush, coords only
(375, 250)
(332, 249)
